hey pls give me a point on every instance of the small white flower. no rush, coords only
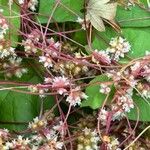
(46, 60)
(7, 52)
(32, 4)
(51, 135)
(126, 102)
(103, 115)
(104, 89)
(118, 113)
(21, 2)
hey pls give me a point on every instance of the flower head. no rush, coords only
(75, 96)
(118, 47)
(60, 84)
(88, 140)
(47, 60)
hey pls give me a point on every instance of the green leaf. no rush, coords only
(61, 14)
(143, 107)
(136, 17)
(13, 19)
(137, 37)
(19, 107)
(95, 98)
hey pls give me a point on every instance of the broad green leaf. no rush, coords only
(13, 18)
(95, 98)
(137, 37)
(143, 107)
(70, 12)
(135, 17)
(18, 107)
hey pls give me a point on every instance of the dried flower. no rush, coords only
(99, 10)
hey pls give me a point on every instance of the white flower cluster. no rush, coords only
(105, 89)
(135, 66)
(4, 133)
(75, 96)
(53, 144)
(31, 4)
(53, 47)
(146, 73)
(29, 47)
(13, 67)
(47, 60)
(60, 84)
(30, 43)
(3, 28)
(43, 138)
(50, 52)
(88, 140)
(37, 123)
(113, 144)
(50, 137)
(103, 115)
(126, 102)
(5, 52)
(123, 104)
(118, 47)
(20, 142)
